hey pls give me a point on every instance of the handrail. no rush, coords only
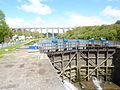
(63, 46)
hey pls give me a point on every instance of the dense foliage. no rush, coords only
(5, 31)
(110, 32)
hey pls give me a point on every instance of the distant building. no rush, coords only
(16, 37)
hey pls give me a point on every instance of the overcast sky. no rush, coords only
(54, 13)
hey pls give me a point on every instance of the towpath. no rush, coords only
(28, 70)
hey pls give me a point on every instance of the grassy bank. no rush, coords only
(10, 49)
(1, 56)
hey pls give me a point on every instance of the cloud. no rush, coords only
(112, 0)
(71, 21)
(21, 23)
(38, 20)
(79, 20)
(19, 0)
(36, 7)
(111, 12)
(17, 22)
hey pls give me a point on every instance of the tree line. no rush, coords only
(5, 31)
(109, 32)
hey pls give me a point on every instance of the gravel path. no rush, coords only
(28, 70)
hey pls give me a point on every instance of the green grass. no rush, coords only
(11, 48)
(1, 56)
(33, 41)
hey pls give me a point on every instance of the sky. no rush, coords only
(60, 13)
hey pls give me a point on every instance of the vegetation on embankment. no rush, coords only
(110, 32)
(10, 49)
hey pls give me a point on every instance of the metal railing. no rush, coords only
(70, 45)
(7, 44)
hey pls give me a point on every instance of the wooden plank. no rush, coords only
(67, 64)
(83, 50)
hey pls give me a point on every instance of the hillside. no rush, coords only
(110, 32)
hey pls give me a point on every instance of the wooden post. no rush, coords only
(70, 67)
(97, 58)
(77, 65)
(62, 67)
(106, 64)
(88, 66)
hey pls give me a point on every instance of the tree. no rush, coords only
(5, 31)
(118, 35)
(117, 22)
(2, 15)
